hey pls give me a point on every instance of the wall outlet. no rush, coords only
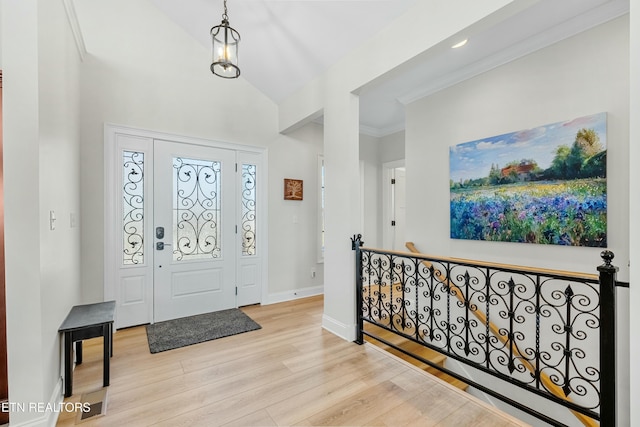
(313, 273)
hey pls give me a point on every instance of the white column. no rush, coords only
(342, 211)
(634, 214)
(22, 207)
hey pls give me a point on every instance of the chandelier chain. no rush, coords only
(224, 15)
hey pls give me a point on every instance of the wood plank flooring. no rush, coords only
(289, 373)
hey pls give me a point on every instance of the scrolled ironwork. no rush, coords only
(537, 330)
(248, 200)
(133, 208)
(197, 209)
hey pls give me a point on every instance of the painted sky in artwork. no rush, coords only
(473, 159)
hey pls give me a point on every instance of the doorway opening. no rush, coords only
(394, 205)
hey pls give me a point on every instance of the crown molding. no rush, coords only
(75, 27)
(577, 25)
(382, 132)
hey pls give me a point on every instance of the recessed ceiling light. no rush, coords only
(460, 44)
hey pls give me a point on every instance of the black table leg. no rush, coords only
(79, 352)
(106, 344)
(68, 364)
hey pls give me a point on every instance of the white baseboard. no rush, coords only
(347, 332)
(45, 418)
(293, 295)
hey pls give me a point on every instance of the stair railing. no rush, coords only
(549, 332)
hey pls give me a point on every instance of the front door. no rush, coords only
(194, 229)
(185, 227)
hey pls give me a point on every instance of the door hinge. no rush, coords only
(236, 290)
(393, 223)
(393, 181)
(236, 229)
(236, 167)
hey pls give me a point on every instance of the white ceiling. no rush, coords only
(287, 43)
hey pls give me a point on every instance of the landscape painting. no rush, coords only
(545, 185)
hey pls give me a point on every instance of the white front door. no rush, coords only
(185, 225)
(194, 229)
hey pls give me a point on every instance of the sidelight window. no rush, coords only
(133, 208)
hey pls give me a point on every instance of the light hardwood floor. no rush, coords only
(290, 372)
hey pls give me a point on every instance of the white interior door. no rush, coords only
(399, 209)
(194, 229)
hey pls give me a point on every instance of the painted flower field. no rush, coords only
(572, 213)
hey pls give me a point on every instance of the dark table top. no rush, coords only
(83, 316)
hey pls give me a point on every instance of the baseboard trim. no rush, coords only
(44, 419)
(344, 331)
(294, 294)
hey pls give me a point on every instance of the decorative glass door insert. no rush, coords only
(133, 208)
(248, 210)
(196, 209)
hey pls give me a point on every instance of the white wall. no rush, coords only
(634, 226)
(59, 179)
(40, 69)
(586, 74)
(371, 190)
(374, 152)
(392, 147)
(426, 24)
(293, 225)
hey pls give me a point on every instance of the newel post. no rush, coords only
(356, 244)
(607, 340)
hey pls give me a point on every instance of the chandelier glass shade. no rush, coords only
(225, 42)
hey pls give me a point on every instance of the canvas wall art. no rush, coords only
(545, 185)
(293, 189)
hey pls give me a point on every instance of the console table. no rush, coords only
(84, 322)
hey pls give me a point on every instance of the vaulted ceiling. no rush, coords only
(287, 43)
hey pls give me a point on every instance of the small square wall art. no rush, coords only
(292, 189)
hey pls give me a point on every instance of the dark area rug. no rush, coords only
(163, 336)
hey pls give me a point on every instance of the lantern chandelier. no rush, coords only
(225, 49)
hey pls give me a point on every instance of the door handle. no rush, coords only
(160, 245)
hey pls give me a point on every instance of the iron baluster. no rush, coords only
(488, 318)
(369, 272)
(467, 306)
(448, 322)
(537, 309)
(356, 244)
(379, 288)
(432, 287)
(403, 283)
(416, 275)
(608, 369)
(511, 335)
(567, 349)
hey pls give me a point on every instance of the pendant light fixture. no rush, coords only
(225, 49)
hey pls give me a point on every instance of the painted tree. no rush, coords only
(589, 141)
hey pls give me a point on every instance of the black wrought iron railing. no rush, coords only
(548, 332)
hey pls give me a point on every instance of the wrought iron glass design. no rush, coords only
(132, 208)
(537, 331)
(248, 210)
(196, 209)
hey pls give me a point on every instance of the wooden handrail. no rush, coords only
(545, 271)
(549, 385)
